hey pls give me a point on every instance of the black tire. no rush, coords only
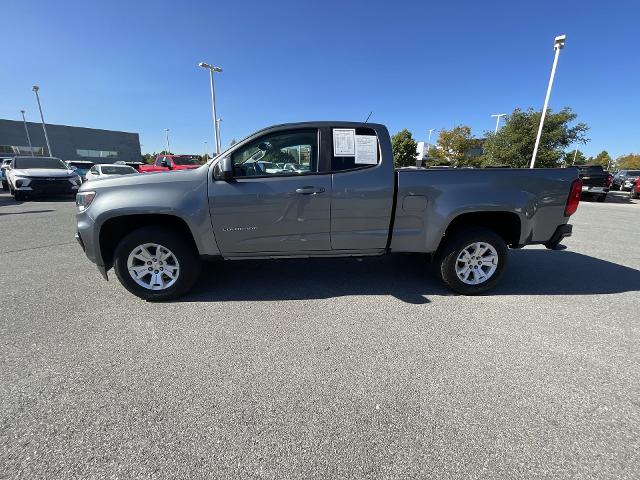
(458, 241)
(601, 198)
(633, 194)
(5, 186)
(180, 246)
(18, 196)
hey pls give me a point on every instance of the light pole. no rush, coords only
(558, 45)
(205, 151)
(44, 127)
(216, 126)
(26, 130)
(166, 131)
(498, 117)
(429, 139)
(218, 138)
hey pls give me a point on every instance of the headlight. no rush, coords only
(22, 181)
(84, 199)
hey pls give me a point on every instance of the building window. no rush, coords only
(20, 150)
(97, 153)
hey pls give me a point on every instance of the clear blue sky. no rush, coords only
(132, 65)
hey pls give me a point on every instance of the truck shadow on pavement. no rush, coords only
(409, 278)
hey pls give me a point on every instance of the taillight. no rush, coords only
(609, 180)
(574, 198)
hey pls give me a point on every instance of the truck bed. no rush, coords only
(429, 199)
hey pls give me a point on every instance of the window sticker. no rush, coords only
(344, 142)
(366, 149)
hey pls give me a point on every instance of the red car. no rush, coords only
(635, 189)
(165, 163)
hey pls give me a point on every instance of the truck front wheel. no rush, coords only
(473, 260)
(156, 264)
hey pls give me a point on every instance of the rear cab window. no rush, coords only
(352, 148)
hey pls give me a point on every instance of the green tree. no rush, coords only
(455, 146)
(630, 161)
(574, 157)
(603, 159)
(149, 157)
(514, 142)
(404, 149)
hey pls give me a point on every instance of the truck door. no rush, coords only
(278, 202)
(362, 187)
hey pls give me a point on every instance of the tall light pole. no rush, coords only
(498, 117)
(166, 131)
(44, 127)
(205, 151)
(26, 130)
(429, 139)
(216, 126)
(218, 138)
(558, 45)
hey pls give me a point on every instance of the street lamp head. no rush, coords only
(22, 112)
(210, 67)
(559, 41)
(35, 88)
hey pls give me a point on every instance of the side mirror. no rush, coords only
(223, 169)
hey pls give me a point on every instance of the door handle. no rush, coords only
(309, 190)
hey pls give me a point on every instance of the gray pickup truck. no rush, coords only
(318, 189)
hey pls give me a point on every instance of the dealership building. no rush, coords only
(69, 143)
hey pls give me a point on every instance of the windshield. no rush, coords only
(35, 162)
(117, 170)
(186, 160)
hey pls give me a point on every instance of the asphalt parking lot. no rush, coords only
(321, 368)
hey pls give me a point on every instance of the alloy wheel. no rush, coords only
(153, 266)
(476, 263)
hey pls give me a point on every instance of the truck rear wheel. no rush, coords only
(473, 260)
(156, 264)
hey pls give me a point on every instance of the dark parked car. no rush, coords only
(624, 179)
(595, 181)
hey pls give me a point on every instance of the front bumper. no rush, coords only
(87, 238)
(49, 187)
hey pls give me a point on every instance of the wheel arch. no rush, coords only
(506, 224)
(114, 229)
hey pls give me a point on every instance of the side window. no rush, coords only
(159, 161)
(339, 163)
(94, 170)
(283, 153)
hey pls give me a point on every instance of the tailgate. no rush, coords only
(594, 180)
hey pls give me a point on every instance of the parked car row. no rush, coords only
(624, 180)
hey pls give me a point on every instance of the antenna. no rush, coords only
(368, 117)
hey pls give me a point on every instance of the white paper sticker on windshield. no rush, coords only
(366, 149)
(344, 142)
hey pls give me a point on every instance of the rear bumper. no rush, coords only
(561, 232)
(598, 190)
